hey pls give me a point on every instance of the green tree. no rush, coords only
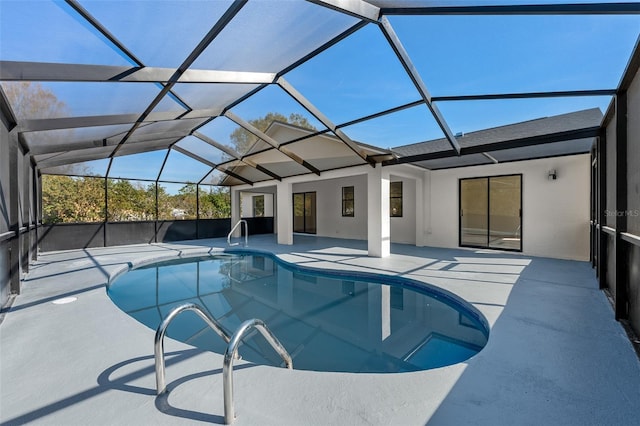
(215, 203)
(187, 200)
(177, 206)
(129, 201)
(68, 199)
(243, 139)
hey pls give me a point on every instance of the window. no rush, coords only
(395, 199)
(348, 209)
(258, 206)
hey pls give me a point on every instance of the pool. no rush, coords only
(327, 321)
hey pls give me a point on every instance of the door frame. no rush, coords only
(488, 246)
(304, 215)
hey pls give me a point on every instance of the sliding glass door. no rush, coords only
(304, 212)
(491, 212)
(474, 212)
(505, 207)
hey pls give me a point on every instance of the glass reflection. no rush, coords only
(504, 199)
(474, 204)
(491, 212)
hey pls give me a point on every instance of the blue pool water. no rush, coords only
(327, 322)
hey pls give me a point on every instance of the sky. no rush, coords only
(359, 76)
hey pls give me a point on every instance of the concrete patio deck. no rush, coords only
(555, 355)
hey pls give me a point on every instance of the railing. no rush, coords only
(162, 329)
(231, 353)
(630, 238)
(7, 236)
(246, 233)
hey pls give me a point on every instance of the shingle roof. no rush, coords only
(538, 127)
(565, 134)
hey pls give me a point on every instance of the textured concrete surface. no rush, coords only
(555, 355)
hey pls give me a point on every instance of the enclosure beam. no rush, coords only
(268, 139)
(526, 95)
(327, 45)
(590, 132)
(356, 8)
(193, 156)
(99, 143)
(235, 175)
(620, 8)
(43, 124)
(35, 125)
(106, 33)
(204, 43)
(403, 56)
(602, 205)
(13, 211)
(44, 71)
(232, 153)
(621, 285)
(211, 164)
(8, 117)
(306, 104)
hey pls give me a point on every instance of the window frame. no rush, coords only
(391, 198)
(345, 200)
(254, 200)
(488, 246)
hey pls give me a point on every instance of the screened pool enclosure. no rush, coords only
(133, 122)
(185, 92)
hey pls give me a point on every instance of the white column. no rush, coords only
(268, 205)
(420, 228)
(427, 207)
(284, 206)
(378, 221)
(235, 210)
(379, 313)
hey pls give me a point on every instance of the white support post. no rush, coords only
(235, 211)
(284, 206)
(378, 223)
(379, 314)
(420, 228)
(426, 232)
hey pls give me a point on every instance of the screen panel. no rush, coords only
(181, 168)
(148, 29)
(47, 31)
(360, 76)
(297, 28)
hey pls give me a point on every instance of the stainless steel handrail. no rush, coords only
(231, 353)
(162, 329)
(246, 233)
